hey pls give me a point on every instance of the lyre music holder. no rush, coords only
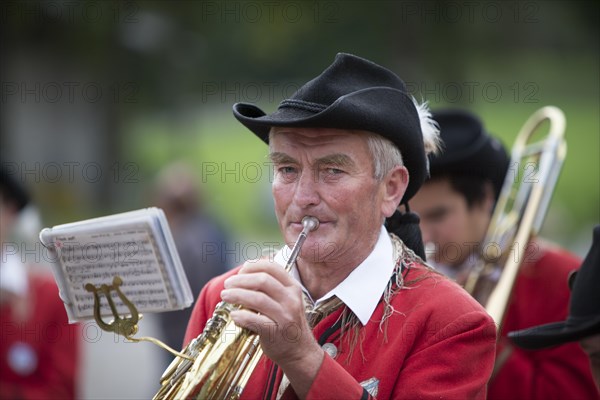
(124, 326)
(127, 326)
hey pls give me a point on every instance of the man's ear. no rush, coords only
(394, 186)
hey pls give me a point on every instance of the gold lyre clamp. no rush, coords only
(121, 326)
(124, 326)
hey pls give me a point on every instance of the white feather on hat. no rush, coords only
(429, 128)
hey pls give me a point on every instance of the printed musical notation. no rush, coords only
(135, 246)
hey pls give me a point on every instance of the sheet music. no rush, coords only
(135, 246)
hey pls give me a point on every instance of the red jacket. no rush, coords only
(439, 343)
(541, 296)
(39, 351)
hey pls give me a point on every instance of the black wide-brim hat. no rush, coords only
(584, 309)
(353, 94)
(468, 150)
(12, 188)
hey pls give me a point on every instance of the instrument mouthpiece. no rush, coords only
(310, 223)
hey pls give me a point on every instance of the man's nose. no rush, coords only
(307, 190)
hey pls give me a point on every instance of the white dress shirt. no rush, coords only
(363, 288)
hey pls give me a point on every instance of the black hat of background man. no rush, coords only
(468, 149)
(584, 309)
(352, 93)
(12, 189)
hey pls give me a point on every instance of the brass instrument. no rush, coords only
(224, 355)
(519, 212)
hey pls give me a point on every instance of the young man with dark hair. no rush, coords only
(455, 206)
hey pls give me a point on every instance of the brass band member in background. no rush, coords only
(198, 237)
(455, 207)
(360, 315)
(583, 323)
(39, 350)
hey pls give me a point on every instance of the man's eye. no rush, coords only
(438, 215)
(334, 171)
(287, 170)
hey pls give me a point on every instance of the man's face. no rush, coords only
(448, 225)
(328, 174)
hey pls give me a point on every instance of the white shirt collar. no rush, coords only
(362, 289)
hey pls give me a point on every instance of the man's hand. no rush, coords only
(265, 287)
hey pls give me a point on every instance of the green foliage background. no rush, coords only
(191, 60)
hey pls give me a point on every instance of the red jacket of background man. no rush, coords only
(541, 296)
(439, 343)
(38, 348)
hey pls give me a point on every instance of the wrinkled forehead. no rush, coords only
(318, 138)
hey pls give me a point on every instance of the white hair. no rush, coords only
(386, 154)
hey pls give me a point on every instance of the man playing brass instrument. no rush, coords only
(455, 206)
(360, 315)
